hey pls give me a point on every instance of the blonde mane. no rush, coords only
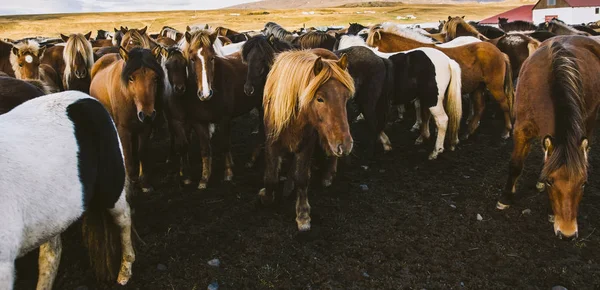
(202, 38)
(454, 24)
(406, 32)
(77, 43)
(25, 47)
(292, 85)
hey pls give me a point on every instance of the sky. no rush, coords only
(12, 7)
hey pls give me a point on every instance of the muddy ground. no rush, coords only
(415, 227)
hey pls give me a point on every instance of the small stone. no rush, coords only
(161, 267)
(366, 275)
(526, 211)
(381, 170)
(462, 284)
(453, 206)
(82, 287)
(213, 286)
(214, 263)
(364, 187)
(479, 217)
(466, 176)
(558, 287)
(364, 167)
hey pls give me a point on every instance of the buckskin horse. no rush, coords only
(557, 99)
(79, 174)
(305, 105)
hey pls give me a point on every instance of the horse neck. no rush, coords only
(297, 131)
(401, 43)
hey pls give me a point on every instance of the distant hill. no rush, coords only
(286, 4)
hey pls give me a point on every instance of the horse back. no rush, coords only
(14, 92)
(103, 81)
(53, 56)
(103, 62)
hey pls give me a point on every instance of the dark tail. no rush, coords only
(102, 174)
(509, 88)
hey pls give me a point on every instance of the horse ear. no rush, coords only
(548, 147)
(206, 26)
(64, 37)
(213, 36)
(449, 18)
(318, 66)
(585, 147)
(123, 30)
(116, 30)
(377, 35)
(88, 35)
(188, 28)
(143, 30)
(156, 51)
(123, 53)
(15, 51)
(271, 39)
(188, 36)
(343, 62)
(463, 17)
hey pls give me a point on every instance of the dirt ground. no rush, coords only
(415, 227)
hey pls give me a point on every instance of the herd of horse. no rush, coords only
(307, 87)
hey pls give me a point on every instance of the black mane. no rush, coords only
(137, 59)
(262, 43)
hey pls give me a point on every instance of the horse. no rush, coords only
(517, 25)
(130, 86)
(278, 31)
(518, 47)
(482, 65)
(305, 105)
(103, 34)
(78, 57)
(118, 36)
(14, 92)
(137, 38)
(172, 33)
(488, 31)
(25, 60)
(82, 176)
(431, 79)
(557, 100)
(214, 95)
(315, 39)
(456, 26)
(560, 28)
(541, 35)
(586, 29)
(5, 52)
(176, 72)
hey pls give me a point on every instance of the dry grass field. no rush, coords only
(51, 25)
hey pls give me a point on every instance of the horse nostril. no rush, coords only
(210, 93)
(141, 116)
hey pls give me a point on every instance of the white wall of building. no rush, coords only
(569, 15)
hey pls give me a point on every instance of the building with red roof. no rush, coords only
(519, 13)
(569, 11)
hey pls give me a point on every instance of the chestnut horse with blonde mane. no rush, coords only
(305, 104)
(482, 65)
(457, 27)
(558, 97)
(130, 85)
(26, 64)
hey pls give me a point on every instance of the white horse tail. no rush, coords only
(454, 101)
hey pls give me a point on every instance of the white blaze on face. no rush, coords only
(205, 86)
(29, 58)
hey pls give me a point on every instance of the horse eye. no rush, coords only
(320, 100)
(548, 182)
(20, 65)
(584, 184)
(131, 79)
(212, 58)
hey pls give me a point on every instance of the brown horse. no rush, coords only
(315, 39)
(482, 64)
(14, 92)
(456, 27)
(518, 47)
(25, 59)
(131, 88)
(78, 59)
(137, 38)
(5, 52)
(214, 94)
(558, 99)
(305, 104)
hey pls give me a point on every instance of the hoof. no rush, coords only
(123, 281)
(327, 182)
(202, 185)
(433, 156)
(505, 135)
(540, 186)
(187, 181)
(303, 226)
(414, 129)
(464, 137)
(387, 148)
(147, 189)
(249, 164)
(419, 141)
(502, 206)
(228, 178)
(264, 199)
(452, 148)
(551, 218)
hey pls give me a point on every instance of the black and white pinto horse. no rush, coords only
(61, 159)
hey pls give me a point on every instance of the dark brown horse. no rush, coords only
(5, 52)
(14, 92)
(315, 39)
(518, 47)
(482, 65)
(214, 95)
(558, 97)
(305, 105)
(130, 86)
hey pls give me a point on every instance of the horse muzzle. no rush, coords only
(205, 97)
(342, 148)
(249, 90)
(80, 74)
(179, 89)
(146, 118)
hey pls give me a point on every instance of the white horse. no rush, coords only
(61, 159)
(448, 83)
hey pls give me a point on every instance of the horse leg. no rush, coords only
(121, 215)
(7, 271)
(143, 153)
(441, 122)
(225, 128)
(331, 171)
(180, 147)
(48, 262)
(401, 111)
(385, 141)
(502, 99)
(203, 133)
(478, 107)
(271, 178)
(302, 178)
(520, 152)
(418, 118)
(259, 141)
(424, 128)
(130, 163)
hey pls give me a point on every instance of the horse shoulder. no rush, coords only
(50, 77)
